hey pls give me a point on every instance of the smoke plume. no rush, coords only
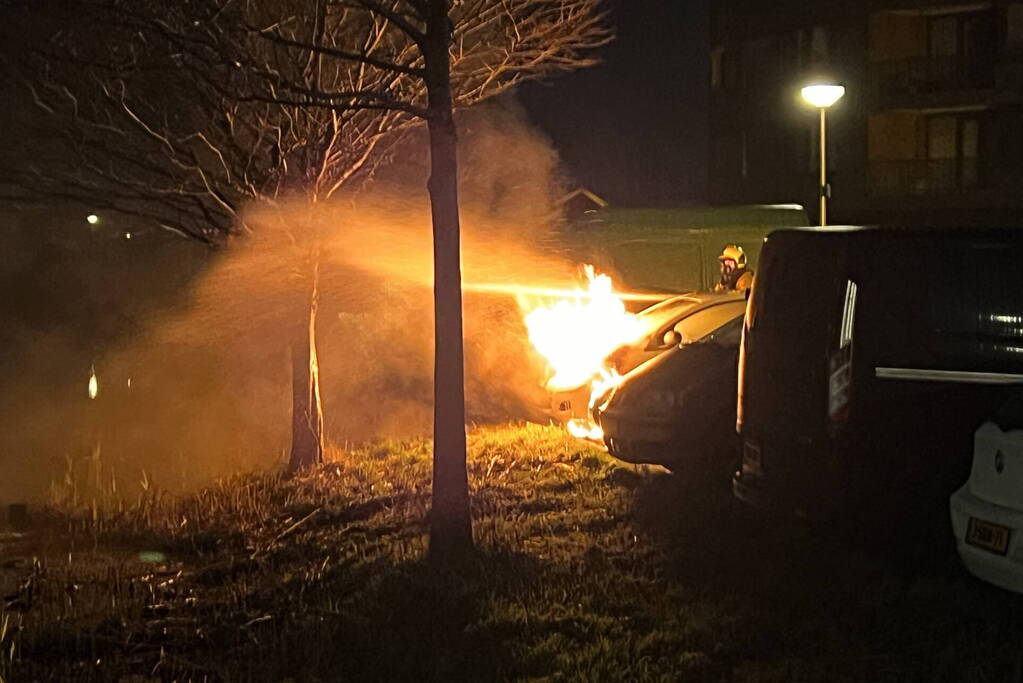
(195, 378)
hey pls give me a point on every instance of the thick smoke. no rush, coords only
(197, 383)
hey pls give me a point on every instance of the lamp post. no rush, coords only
(822, 96)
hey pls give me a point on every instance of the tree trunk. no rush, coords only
(450, 519)
(306, 411)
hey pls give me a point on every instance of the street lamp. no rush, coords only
(822, 96)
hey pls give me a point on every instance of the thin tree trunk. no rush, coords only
(306, 410)
(450, 519)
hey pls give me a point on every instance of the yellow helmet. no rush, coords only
(735, 253)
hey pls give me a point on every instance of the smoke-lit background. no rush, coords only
(190, 345)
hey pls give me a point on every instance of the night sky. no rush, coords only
(634, 128)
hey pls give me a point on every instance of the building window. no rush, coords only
(724, 67)
(943, 36)
(949, 51)
(913, 153)
(953, 143)
(969, 148)
(762, 65)
(717, 75)
(941, 137)
(1014, 26)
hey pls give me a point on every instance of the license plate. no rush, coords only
(993, 537)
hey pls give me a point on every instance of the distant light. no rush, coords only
(822, 95)
(129, 382)
(93, 384)
(127, 235)
(781, 207)
(152, 557)
(92, 219)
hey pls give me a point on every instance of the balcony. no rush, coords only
(923, 176)
(928, 75)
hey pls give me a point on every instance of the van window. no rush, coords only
(977, 317)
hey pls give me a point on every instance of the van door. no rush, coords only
(792, 335)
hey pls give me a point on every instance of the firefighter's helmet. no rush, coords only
(735, 253)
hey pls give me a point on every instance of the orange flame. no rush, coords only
(585, 429)
(576, 334)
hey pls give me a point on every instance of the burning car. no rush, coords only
(656, 329)
(680, 406)
(589, 339)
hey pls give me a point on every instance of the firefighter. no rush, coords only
(734, 275)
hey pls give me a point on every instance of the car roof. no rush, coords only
(695, 300)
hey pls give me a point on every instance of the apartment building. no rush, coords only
(930, 129)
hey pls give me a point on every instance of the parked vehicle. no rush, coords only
(987, 512)
(869, 357)
(678, 410)
(675, 320)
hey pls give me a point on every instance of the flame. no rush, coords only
(606, 380)
(585, 429)
(93, 384)
(577, 333)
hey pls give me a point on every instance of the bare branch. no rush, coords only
(395, 17)
(183, 112)
(343, 54)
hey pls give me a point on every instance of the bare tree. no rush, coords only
(290, 95)
(149, 117)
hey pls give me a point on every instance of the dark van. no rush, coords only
(869, 357)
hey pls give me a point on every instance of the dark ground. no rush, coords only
(587, 570)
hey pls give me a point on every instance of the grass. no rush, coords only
(586, 570)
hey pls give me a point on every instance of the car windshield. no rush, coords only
(704, 322)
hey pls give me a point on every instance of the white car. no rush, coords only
(987, 512)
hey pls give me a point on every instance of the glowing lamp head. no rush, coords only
(822, 95)
(92, 219)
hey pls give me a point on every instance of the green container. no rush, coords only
(675, 250)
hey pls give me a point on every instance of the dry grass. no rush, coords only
(586, 570)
